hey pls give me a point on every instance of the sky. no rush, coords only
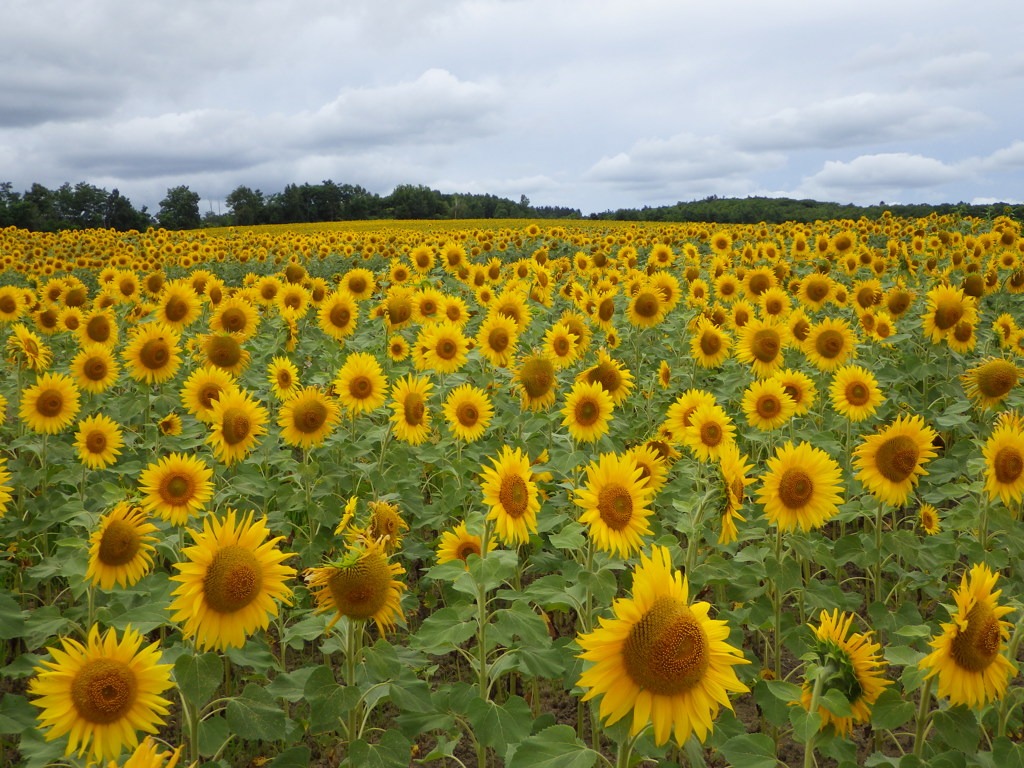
(590, 104)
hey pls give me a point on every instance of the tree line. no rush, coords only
(84, 206)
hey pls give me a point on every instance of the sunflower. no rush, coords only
(829, 344)
(178, 306)
(661, 658)
(51, 404)
(230, 581)
(802, 488)
(967, 658)
(537, 381)
(947, 306)
(774, 302)
(426, 305)
(1004, 462)
(98, 327)
(411, 418)
(468, 410)
(613, 377)
(709, 344)
(307, 417)
(238, 420)
(224, 351)
(962, 338)
(283, 377)
(360, 384)
(398, 348)
(11, 304)
(588, 410)
(203, 388)
(235, 315)
(800, 387)
(766, 404)
(152, 353)
(891, 461)
(653, 466)
(175, 486)
(990, 382)
(338, 315)
(928, 517)
(5, 489)
(858, 670)
(815, 290)
(561, 346)
(854, 392)
(496, 339)
(27, 350)
(359, 586)
(444, 347)
(359, 282)
(646, 308)
(614, 502)
(120, 549)
(511, 495)
(94, 368)
(710, 430)
(664, 375)
(760, 344)
(98, 441)
(147, 756)
(103, 691)
(734, 468)
(680, 412)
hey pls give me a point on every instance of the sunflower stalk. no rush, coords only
(353, 648)
(1005, 706)
(823, 673)
(924, 716)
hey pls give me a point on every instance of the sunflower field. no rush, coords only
(555, 495)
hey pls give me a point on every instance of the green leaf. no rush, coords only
(519, 621)
(784, 691)
(958, 728)
(296, 757)
(442, 632)
(256, 654)
(213, 733)
(836, 703)
(16, 714)
(255, 715)
(554, 747)
(327, 700)
(890, 710)
(774, 707)
(12, 618)
(1006, 754)
(805, 724)
(749, 750)
(902, 656)
(198, 676)
(570, 537)
(499, 726)
(291, 686)
(392, 752)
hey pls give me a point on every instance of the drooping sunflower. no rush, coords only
(176, 486)
(307, 417)
(152, 353)
(947, 306)
(338, 315)
(468, 410)
(802, 487)
(661, 658)
(537, 380)
(829, 344)
(990, 382)
(854, 392)
(360, 384)
(230, 581)
(411, 419)
(858, 670)
(203, 388)
(511, 496)
(709, 345)
(236, 315)
(238, 420)
(968, 658)
(98, 441)
(588, 411)
(615, 502)
(121, 549)
(459, 544)
(360, 586)
(1004, 462)
(766, 404)
(51, 404)
(889, 463)
(734, 468)
(760, 345)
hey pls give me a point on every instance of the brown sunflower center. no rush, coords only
(587, 412)
(356, 284)
(284, 378)
(615, 506)
(710, 343)
(96, 442)
(309, 416)
(177, 489)
(514, 496)
(236, 425)
(340, 316)
(176, 309)
(119, 543)
(795, 488)
(996, 378)
(224, 352)
(50, 403)
(413, 410)
(447, 349)
(607, 375)
(561, 346)
(801, 329)
(711, 434)
(95, 369)
(399, 310)
(897, 302)
(98, 329)
(467, 414)
(975, 647)
(537, 376)
(606, 309)
(947, 314)
(1008, 464)
(830, 344)
(857, 393)
(361, 590)
(104, 691)
(768, 406)
(647, 305)
(963, 332)
(667, 652)
(765, 344)
(155, 354)
(896, 458)
(467, 548)
(233, 579)
(208, 395)
(498, 339)
(233, 319)
(759, 283)
(360, 387)
(816, 290)
(8, 304)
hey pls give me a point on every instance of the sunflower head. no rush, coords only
(360, 586)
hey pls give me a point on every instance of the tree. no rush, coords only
(247, 206)
(180, 209)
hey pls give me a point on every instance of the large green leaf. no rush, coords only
(198, 676)
(750, 750)
(255, 715)
(500, 725)
(553, 747)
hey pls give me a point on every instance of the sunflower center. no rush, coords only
(765, 345)
(467, 548)
(50, 403)
(996, 378)
(155, 354)
(236, 425)
(587, 412)
(647, 305)
(176, 309)
(413, 410)
(361, 590)
(95, 369)
(340, 316)
(498, 339)
(356, 284)
(96, 442)
(360, 387)
(795, 488)
(963, 332)
(773, 306)
(119, 544)
(1008, 464)
(710, 343)
(447, 349)
(801, 329)
(561, 346)
(976, 646)
(896, 458)
(399, 311)
(759, 283)
(857, 393)
(8, 305)
(98, 329)
(284, 379)
(615, 505)
(233, 579)
(667, 651)
(177, 490)
(897, 303)
(606, 309)
(537, 376)
(309, 416)
(817, 290)
(233, 319)
(467, 414)
(829, 344)
(514, 496)
(208, 395)
(768, 406)
(224, 352)
(711, 434)
(104, 691)
(948, 314)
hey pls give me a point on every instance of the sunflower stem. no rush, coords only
(812, 708)
(352, 651)
(983, 520)
(879, 513)
(923, 716)
(777, 606)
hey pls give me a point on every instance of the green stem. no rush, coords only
(923, 716)
(813, 709)
(777, 606)
(878, 552)
(352, 651)
(983, 520)
(1011, 653)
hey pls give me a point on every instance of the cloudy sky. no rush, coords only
(587, 103)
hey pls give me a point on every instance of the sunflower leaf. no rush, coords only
(391, 752)
(553, 747)
(750, 750)
(198, 676)
(890, 710)
(500, 725)
(255, 715)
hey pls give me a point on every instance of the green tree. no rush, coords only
(247, 206)
(180, 209)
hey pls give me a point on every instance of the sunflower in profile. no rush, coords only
(203, 388)
(236, 315)
(889, 463)
(710, 430)
(230, 581)
(1004, 462)
(5, 489)
(152, 353)
(496, 339)
(664, 375)
(27, 350)
(968, 658)
(734, 468)
(709, 344)
(802, 487)
(829, 344)
(854, 392)
(928, 518)
(587, 412)
(468, 411)
(338, 315)
(178, 306)
(98, 441)
(615, 502)
(238, 421)
(511, 496)
(176, 486)
(411, 419)
(766, 404)
(760, 345)
(307, 417)
(360, 385)
(148, 756)
(51, 404)
(102, 692)
(990, 382)
(537, 380)
(121, 549)
(360, 586)
(661, 658)
(646, 308)
(858, 670)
